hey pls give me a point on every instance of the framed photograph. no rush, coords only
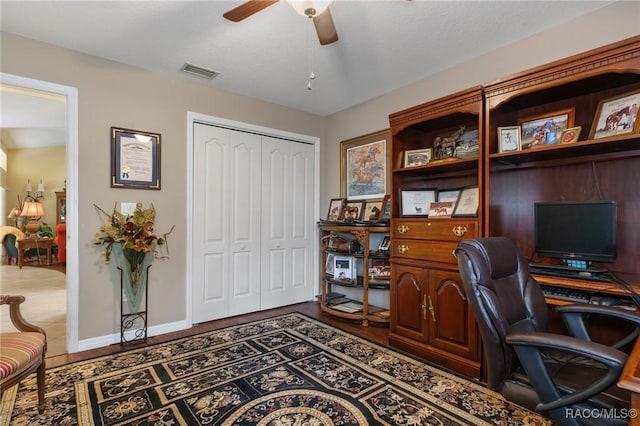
(450, 195)
(385, 213)
(344, 267)
(135, 159)
(467, 145)
(417, 157)
(544, 129)
(380, 270)
(442, 209)
(570, 135)
(468, 202)
(335, 209)
(352, 211)
(365, 170)
(509, 139)
(372, 211)
(329, 266)
(616, 116)
(416, 202)
(385, 243)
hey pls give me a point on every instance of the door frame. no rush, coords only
(71, 94)
(192, 118)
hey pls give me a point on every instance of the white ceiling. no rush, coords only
(383, 45)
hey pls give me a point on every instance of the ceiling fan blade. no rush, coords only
(324, 27)
(247, 9)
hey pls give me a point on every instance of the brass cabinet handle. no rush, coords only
(424, 307)
(459, 231)
(403, 229)
(402, 249)
(432, 310)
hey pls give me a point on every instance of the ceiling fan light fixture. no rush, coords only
(310, 8)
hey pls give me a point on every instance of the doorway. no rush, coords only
(71, 136)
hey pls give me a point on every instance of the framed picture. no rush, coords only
(509, 139)
(353, 210)
(385, 213)
(335, 209)
(372, 211)
(468, 202)
(135, 159)
(450, 195)
(441, 209)
(329, 265)
(545, 129)
(365, 169)
(344, 267)
(385, 243)
(616, 116)
(417, 157)
(570, 135)
(416, 202)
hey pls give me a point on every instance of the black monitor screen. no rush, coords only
(584, 230)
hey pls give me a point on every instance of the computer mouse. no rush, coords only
(584, 273)
(609, 301)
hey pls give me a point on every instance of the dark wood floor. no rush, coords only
(375, 333)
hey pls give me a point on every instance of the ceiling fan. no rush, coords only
(316, 10)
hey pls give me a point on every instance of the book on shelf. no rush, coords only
(348, 307)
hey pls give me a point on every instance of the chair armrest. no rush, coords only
(574, 318)
(16, 317)
(528, 347)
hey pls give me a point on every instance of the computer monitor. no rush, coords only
(576, 230)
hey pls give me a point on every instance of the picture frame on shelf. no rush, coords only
(135, 159)
(570, 135)
(441, 209)
(385, 243)
(417, 157)
(416, 202)
(380, 270)
(385, 213)
(344, 267)
(335, 209)
(372, 210)
(616, 116)
(353, 211)
(545, 129)
(509, 139)
(329, 264)
(451, 195)
(468, 203)
(365, 170)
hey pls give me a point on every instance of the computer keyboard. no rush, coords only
(569, 294)
(568, 272)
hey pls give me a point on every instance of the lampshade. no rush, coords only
(14, 213)
(32, 209)
(28, 188)
(310, 8)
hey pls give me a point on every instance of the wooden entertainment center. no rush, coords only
(430, 316)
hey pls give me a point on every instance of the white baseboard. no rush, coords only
(156, 330)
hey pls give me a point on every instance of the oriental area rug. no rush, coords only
(283, 371)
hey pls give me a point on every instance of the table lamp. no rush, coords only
(35, 211)
(14, 214)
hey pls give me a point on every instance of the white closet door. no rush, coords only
(288, 222)
(226, 222)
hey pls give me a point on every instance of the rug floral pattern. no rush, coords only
(283, 371)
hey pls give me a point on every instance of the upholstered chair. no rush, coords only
(22, 352)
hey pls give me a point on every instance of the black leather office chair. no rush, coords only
(550, 373)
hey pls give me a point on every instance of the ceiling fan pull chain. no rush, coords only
(312, 75)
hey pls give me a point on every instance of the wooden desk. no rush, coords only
(36, 243)
(630, 380)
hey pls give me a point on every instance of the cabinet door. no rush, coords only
(452, 327)
(408, 302)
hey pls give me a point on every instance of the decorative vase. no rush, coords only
(134, 266)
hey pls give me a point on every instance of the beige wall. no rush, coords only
(48, 164)
(112, 94)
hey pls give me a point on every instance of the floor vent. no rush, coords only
(199, 71)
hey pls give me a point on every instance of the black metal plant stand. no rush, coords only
(134, 321)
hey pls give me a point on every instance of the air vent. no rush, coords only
(199, 71)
